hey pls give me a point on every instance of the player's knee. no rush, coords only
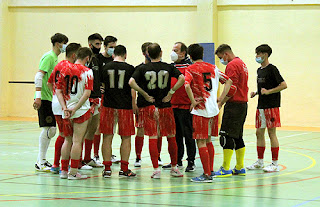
(225, 141)
(239, 143)
(51, 132)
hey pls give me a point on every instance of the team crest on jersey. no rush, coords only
(49, 119)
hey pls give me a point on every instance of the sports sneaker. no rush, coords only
(55, 170)
(222, 173)
(114, 159)
(190, 167)
(106, 174)
(202, 179)
(127, 173)
(63, 174)
(160, 163)
(42, 168)
(166, 167)
(137, 163)
(242, 171)
(271, 168)
(84, 166)
(175, 172)
(97, 160)
(47, 164)
(93, 163)
(257, 165)
(156, 174)
(77, 176)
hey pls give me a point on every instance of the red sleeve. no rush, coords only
(89, 80)
(222, 77)
(232, 91)
(51, 78)
(188, 76)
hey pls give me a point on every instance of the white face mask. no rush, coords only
(110, 51)
(174, 56)
(224, 62)
(63, 48)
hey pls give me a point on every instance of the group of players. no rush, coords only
(90, 93)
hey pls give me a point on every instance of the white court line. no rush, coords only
(16, 125)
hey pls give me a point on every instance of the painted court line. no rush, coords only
(307, 201)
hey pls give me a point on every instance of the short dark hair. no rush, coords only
(60, 38)
(264, 48)
(144, 47)
(109, 39)
(120, 50)
(95, 36)
(83, 52)
(195, 51)
(183, 47)
(72, 48)
(223, 48)
(154, 50)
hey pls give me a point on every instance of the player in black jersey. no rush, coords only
(117, 109)
(153, 81)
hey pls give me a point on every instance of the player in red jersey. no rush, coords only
(270, 83)
(117, 109)
(234, 113)
(153, 81)
(202, 81)
(73, 90)
(71, 50)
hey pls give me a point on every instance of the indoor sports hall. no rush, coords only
(290, 27)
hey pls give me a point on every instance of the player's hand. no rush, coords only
(253, 94)
(66, 113)
(193, 105)
(37, 103)
(265, 91)
(135, 109)
(72, 111)
(167, 98)
(149, 98)
(102, 89)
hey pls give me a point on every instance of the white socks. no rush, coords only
(44, 142)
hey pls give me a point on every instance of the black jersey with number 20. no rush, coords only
(155, 79)
(115, 76)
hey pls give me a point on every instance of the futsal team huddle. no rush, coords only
(90, 93)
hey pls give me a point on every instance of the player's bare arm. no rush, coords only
(63, 103)
(224, 93)
(179, 83)
(134, 101)
(38, 84)
(280, 87)
(134, 85)
(82, 100)
(253, 94)
(194, 103)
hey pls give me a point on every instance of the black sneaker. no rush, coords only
(167, 167)
(190, 167)
(127, 173)
(47, 164)
(106, 174)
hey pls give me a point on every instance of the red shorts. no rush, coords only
(82, 118)
(269, 118)
(59, 121)
(204, 127)
(68, 123)
(109, 117)
(164, 121)
(139, 119)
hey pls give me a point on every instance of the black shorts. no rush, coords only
(45, 114)
(234, 116)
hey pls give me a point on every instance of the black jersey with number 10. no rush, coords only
(155, 79)
(115, 76)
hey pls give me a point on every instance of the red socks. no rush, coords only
(87, 150)
(260, 151)
(153, 150)
(173, 150)
(57, 150)
(74, 163)
(64, 165)
(205, 160)
(159, 145)
(275, 153)
(107, 165)
(138, 146)
(96, 144)
(211, 154)
(124, 165)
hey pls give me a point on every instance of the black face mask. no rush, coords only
(95, 50)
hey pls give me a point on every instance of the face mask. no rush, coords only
(259, 60)
(223, 61)
(110, 51)
(63, 48)
(174, 56)
(95, 50)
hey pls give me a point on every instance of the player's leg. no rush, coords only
(159, 145)
(273, 167)
(58, 145)
(189, 141)
(240, 152)
(139, 138)
(65, 157)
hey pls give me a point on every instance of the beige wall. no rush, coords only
(294, 35)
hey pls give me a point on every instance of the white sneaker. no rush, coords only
(156, 174)
(271, 168)
(257, 165)
(160, 163)
(42, 167)
(86, 167)
(93, 163)
(63, 174)
(175, 172)
(77, 176)
(137, 163)
(97, 160)
(114, 159)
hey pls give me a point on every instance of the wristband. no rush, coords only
(171, 91)
(38, 94)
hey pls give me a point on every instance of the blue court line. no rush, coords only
(307, 201)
